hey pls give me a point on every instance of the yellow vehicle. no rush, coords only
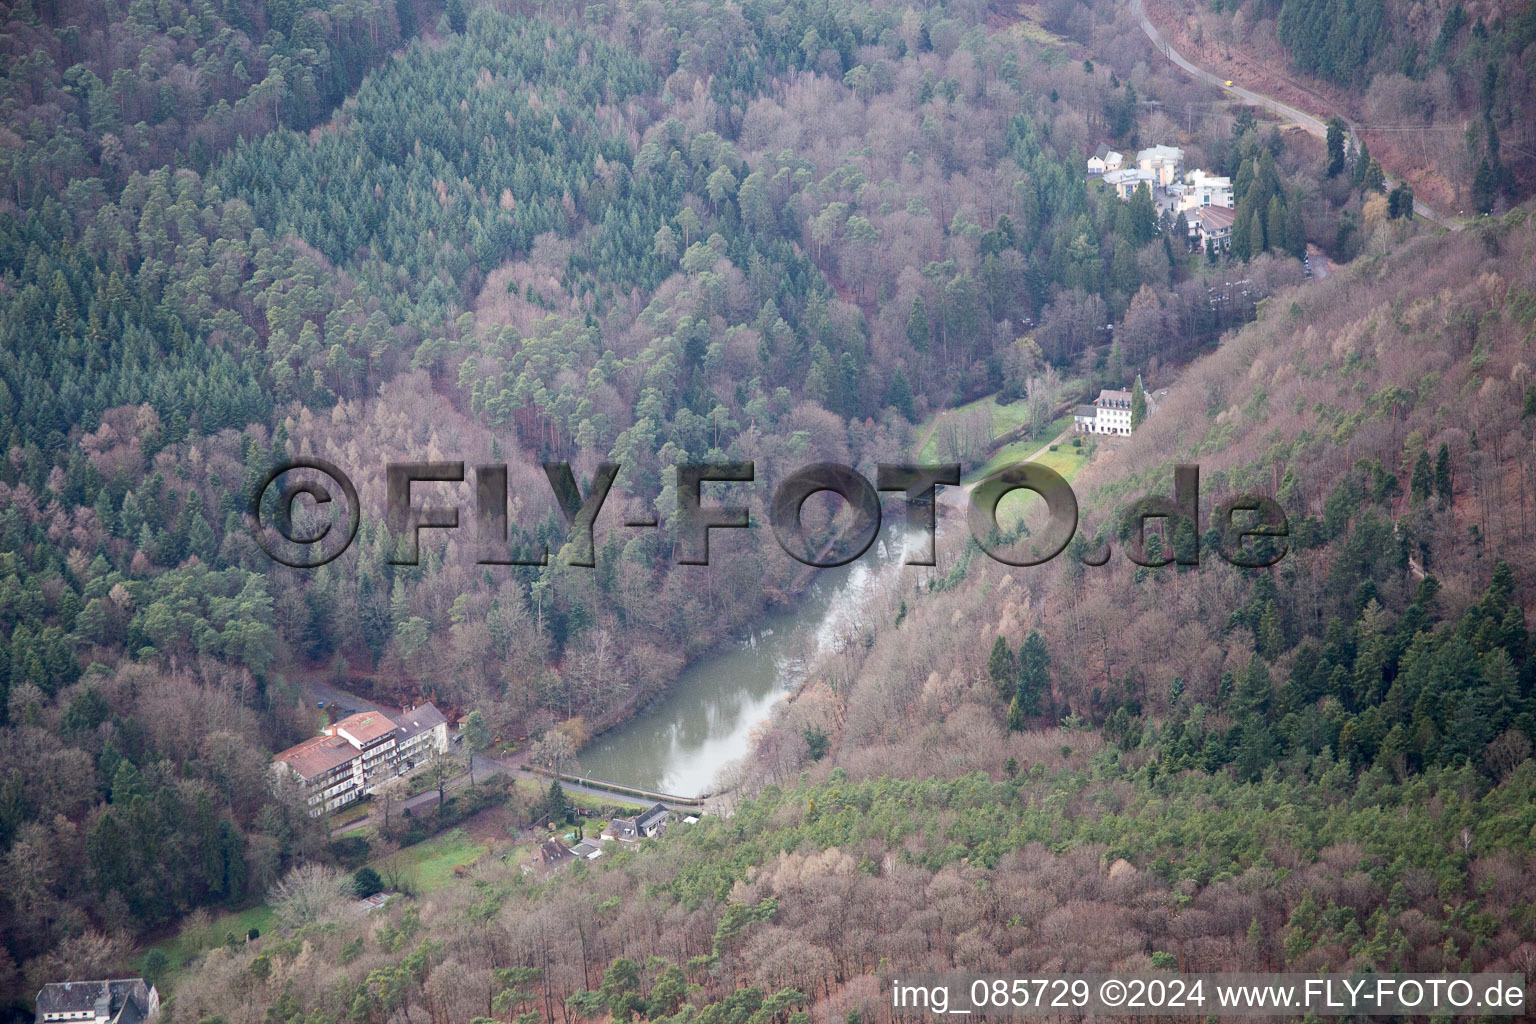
(1228, 83)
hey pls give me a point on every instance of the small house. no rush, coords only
(654, 821)
(623, 829)
(1104, 160)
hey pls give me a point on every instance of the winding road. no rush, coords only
(1308, 122)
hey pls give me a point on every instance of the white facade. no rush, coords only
(1203, 190)
(1105, 161)
(1126, 182)
(1164, 163)
(1110, 413)
(352, 757)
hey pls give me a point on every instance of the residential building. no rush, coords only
(1164, 163)
(121, 1001)
(1126, 182)
(587, 851)
(653, 822)
(351, 757)
(1104, 160)
(1110, 413)
(1202, 190)
(623, 829)
(1213, 226)
(423, 729)
(1085, 419)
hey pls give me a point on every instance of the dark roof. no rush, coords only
(1103, 150)
(125, 1000)
(1086, 410)
(554, 850)
(651, 815)
(418, 720)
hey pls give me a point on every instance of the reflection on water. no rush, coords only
(706, 718)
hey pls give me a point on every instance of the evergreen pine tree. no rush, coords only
(1443, 472)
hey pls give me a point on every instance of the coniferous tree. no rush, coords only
(1336, 138)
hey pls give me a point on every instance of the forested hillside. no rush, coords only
(237, 233)
(1320, 766)
(1442, 90)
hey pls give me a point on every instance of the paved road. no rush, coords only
(1308, 122)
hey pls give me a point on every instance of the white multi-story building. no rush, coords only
(349, 758)
(1202, 190)
(1110, 413)
(1165, 163)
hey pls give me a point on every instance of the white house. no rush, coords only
(1166, 163)
(122, 1001)
(1110, 413)
(1201, 190)
(1126, 182)
(654, 821)
(1104, 160)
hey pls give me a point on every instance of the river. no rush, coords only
(679, 743)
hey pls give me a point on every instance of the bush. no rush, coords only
(367, 882)
(253, 935)
(1077, 442)
(155, 964)
(1054, 447)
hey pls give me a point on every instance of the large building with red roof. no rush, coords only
(351, 757)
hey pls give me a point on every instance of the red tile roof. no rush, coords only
(317, 755)
(366, 726)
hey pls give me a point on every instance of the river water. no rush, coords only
(679, 743)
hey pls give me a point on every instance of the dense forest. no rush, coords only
(1440, 90)
(239, 232)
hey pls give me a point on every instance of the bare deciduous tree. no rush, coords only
(309, 894)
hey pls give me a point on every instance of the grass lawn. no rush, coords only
(1065, 460)
(427, 865)
(430, 863)
(1004, 419)
(589, 803)
(188, 943)
(594, 804)
(1008, 454)
(348, 815)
